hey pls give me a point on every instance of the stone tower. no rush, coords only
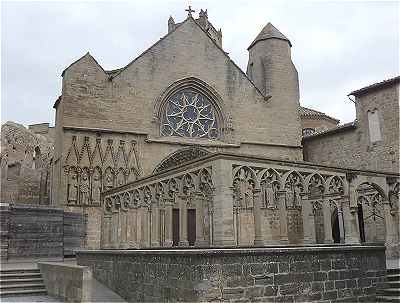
(271, 69)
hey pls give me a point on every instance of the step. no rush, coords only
(18, 271)
(393, 284)
(24, 286)
(23, 275)
(23, 292)
(391, 291)
(393, 270)
(26, 280)
(380, 299)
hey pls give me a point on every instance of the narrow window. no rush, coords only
(374, 126)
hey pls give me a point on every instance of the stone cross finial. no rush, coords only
(190, 11)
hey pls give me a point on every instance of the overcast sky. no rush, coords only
(338, 47)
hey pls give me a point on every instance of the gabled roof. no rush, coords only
(269, 32)
(331, 131)
(116, 72)
(76, 61)
(308, 112)
(374, 86)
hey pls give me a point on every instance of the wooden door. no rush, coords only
(191, 226)
(175, 227)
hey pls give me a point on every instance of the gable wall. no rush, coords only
(353, 148)
(127, 103)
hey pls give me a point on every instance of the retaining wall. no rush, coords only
(300, 274)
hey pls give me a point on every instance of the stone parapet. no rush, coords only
(286, 274)
(71, 283)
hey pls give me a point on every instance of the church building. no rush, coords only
(182, 148)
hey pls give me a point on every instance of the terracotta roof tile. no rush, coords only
(368, 88)
(308, 112)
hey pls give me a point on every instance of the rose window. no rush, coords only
(190, 114)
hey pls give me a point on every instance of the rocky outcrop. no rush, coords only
(25, 160)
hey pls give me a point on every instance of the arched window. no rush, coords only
(190, 113)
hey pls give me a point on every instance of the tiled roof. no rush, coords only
(381, 84)
(308, 112)
(337, 129)
(268, 32)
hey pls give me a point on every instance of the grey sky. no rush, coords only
(337, 46)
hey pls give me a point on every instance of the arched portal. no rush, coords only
(181, 156)
(371, 216)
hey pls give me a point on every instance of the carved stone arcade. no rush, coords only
(91, 169)
(242, 202)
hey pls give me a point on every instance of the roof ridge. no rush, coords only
(374, 85)
(149, 48)
(333, 130)
(303, 111)
(80, 58)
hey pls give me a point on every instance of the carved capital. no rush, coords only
(351, 176)
(391, 181)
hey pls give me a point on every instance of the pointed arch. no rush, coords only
(181, 156)
(191, 108)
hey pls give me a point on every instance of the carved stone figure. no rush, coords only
(108, 180)
(73, 187)
(96, 186)
(84, 188)
(120, 178)
(270, 196)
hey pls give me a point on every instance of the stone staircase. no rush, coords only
(28, 282)
(391, 292)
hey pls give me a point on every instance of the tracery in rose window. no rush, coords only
(189, 113)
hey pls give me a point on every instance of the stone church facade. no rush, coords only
(180, 147)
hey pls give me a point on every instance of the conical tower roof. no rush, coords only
(268, 32)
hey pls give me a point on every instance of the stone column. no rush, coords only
(340, 220)
(211, 225)
(114, 229)
(182, 202)
(168, 222)
(199, 203)
(155, 227)
(350, 219)
(389, 224)
(308, 221)
(223, 231)
(142, 229)
(106, 234)
(124, 229)
(132, 228)
(258, 236)
(284, 239)
(326, 209)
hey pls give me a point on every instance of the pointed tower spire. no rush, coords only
(171, 24)
(269, 32)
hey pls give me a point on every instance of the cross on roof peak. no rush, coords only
(190, 11)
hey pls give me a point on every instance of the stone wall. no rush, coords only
(31, 232)
(311, 274)
(25, 160)
(71, 283)
(35, 232)
(351, 147)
